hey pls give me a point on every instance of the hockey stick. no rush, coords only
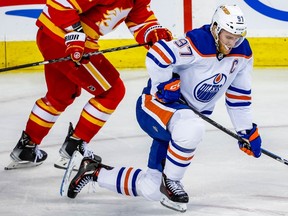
(234, 135)
(69, 58)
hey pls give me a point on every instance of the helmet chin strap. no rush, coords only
(217, 39)
(226, 47)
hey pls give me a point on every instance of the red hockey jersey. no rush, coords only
(97, 17)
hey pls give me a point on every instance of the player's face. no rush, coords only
(227, 41)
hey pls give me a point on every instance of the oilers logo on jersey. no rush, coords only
(207, 89)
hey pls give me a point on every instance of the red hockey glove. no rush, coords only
(156, 33)
(75, 42)
(169, 91)
(254, 139)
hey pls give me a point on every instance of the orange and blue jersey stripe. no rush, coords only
(178, 155)
(156, 110)
(236, 97)
(126, 181)
(161, 54)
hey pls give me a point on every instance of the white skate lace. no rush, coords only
(38, 154)
(87, 151)
(82, 183)
(92, 187)
(175, 186)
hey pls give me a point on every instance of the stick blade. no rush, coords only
(73, 164)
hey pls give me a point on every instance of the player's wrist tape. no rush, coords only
(74, 37)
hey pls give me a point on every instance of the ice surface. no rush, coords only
(221, 180)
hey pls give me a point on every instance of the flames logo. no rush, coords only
(111, 19)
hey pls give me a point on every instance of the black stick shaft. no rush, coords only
(268, 153)
(68, 57)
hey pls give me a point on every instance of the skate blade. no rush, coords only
(74, 163)
(21, 164)
(176, 206)
(62, 163)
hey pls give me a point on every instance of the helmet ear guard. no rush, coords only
(231, 19)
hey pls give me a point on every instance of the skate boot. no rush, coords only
(26, 154)
(174, 196)
(70, 145)
(88, 171)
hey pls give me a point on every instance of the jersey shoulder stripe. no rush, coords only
(202, 41)
(161, 54)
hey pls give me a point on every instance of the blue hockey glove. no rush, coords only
(254, 139)
(169, 91)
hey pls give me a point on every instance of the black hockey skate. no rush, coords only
(26, 154)
(174, 196)
(70, 145)
(88, 171)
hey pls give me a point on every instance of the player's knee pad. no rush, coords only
(114, 95)
(149, 185)
(186, 128)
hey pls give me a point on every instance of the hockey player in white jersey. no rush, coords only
(197, 70)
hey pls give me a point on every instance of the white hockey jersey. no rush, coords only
(205, 75)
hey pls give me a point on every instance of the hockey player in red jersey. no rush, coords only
(73, 28)
(200, 68)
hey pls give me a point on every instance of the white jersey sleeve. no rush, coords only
(238, 99)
